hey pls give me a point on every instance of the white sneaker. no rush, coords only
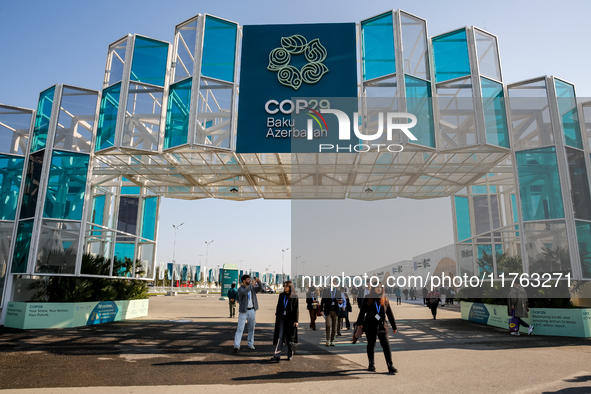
(332, 343)
(251, 347)
(327, 343)
(516, 333)
(530, 330)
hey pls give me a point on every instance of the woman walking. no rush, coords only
(312, 306)
(286, 322)
(434, 298)
(372, 318)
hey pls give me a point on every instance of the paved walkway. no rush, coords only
(186, 344)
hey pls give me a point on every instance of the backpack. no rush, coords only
(433, 300)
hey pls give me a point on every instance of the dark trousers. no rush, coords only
(371, 345)
(313, 315)
(433, 308)
(522, 323)
(398, 300)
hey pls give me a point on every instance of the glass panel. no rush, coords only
(457, 123)
(177, 114)
(587, 118)
(142, 118)
(135, 190)
(378, 46)
(146, 257)
(14, 130)
(21, 246)
(98, 212)
(481, 214)
(127, 218)
(219, 49)
(76, 120)
(530, 115)
(495, 118)
(547, 247)
(185, 51)
(31, 190)
(66, 186)
(149, 61)
(485, 259)
(450, 52)
(11, 172)
(42, 119)
(496, 217)
(414, 46)
(213, 114)
(418, 102)
(488, 55)
(584, 240)
(479, 190)
(98, 244)
(569, 116)
(117, 62)
(149, 218)
(539, 184)
(462, 218)
(105, 133)
(58, 247)
(579, 183)
(124, 253)
(514, 208)
(380, 97)
(5, 240)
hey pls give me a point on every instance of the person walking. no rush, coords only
(405, 292)
(286, 322)
(232, 297)
(248, 305)
(425, 292)
(348, 307)
(330, 307)
(398, 296)
(312, 306)
(434, 298)
(372, 319)
(452, 295)
(343, 311)
(360, 295)
(518, 306)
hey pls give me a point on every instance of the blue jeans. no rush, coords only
(250, 315)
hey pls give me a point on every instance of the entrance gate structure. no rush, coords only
(86, 171)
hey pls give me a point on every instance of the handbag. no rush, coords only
(513, 322)
(358, 332)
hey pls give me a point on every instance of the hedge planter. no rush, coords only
(38, 315)
(547, 321)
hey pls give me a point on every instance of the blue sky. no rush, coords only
(48, 42)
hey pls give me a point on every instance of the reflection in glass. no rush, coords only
(42, 119)
(21, 246)
(450, 52)
(414, 46)
(105, 133)
(569, 116)
(488, 55)
(495, 118)
(11, 172)
(149, 61)
(177, 114)
(14, 130)
(219, 49)
(31, 190)
(58, 247)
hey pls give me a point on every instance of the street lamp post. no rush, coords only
(200, 271)
(303, 270)
(296, 270)
(174, 257)
(283, 265)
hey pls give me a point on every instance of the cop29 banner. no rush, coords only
(283, 62)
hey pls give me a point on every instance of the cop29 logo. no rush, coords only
(310, 73)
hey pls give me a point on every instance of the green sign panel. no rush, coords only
(229, 275)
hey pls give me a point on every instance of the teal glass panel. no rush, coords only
(149, 218)
(498, 249)
(493, 189)
(539, 184)
(485, 259)
(98, 212)
(177, 114)
(463, 218)
(31, 190)
(22, 246)
(569, 117)
(479, 190)
(66, 186)
(584, 240)
(149, 61)
(495, 117)
(579, 183)
(378, 46)
(123, 251)
(105, 133)
(418, 102)
(11, 172)
(42, 119)
(219, 49)
(514, 208)
(450, 52)
(135, 190)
